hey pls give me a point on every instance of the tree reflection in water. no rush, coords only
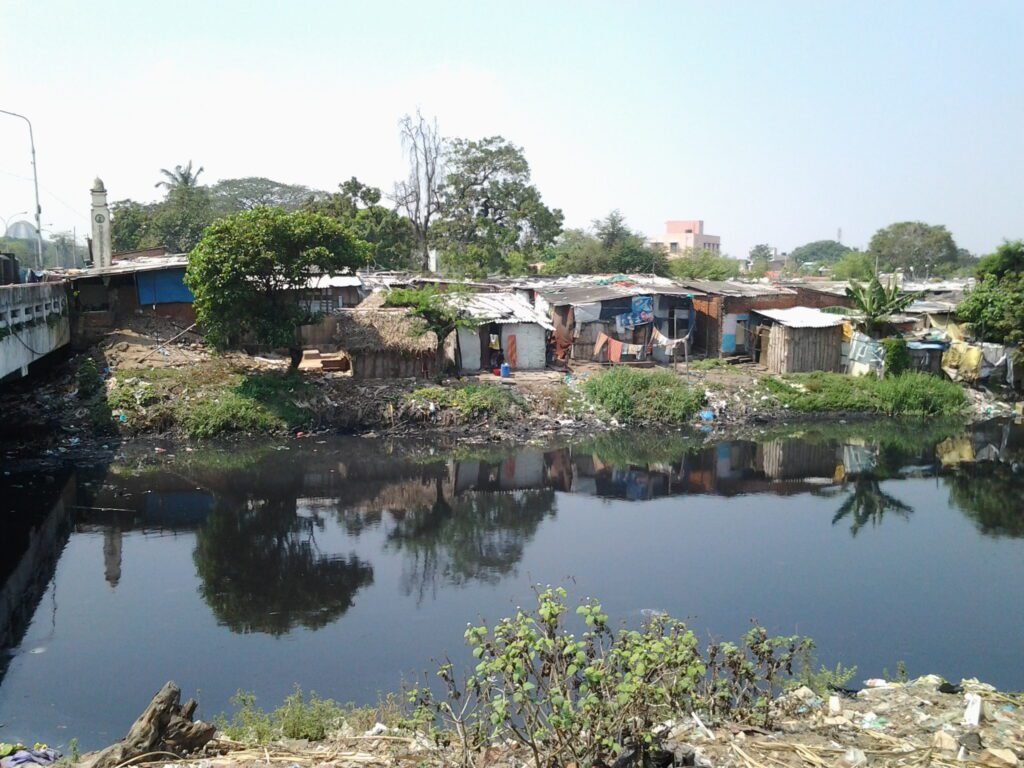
(261, 570)
(476, 536)
(991, 494)
(868, 503)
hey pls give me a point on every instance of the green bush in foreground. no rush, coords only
(897, 356)
(473, 400)
(910, 394)
(584, 700)
(632, 395)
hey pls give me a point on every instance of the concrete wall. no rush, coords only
(531, 345)
(33, 323)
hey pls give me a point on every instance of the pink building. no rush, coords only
(681, 236)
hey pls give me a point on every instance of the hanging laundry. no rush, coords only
(661, 340)
(614, 350)
(631, 349)
(602, 339)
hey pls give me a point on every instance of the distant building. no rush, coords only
(680, 236)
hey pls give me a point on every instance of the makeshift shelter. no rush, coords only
(723, 323)
(618, 318)
(799, 339)
(507, 329)
(384, 343)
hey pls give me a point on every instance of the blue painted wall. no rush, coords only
(165, 286)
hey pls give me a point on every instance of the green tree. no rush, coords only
(703, 264)
(246, 266)
(854, 265)
(181, 177)
(994, 307)
(392, 237)
(760, 256)
(130, 224)
(489, 208)
(233, 195)
(612, 248)
(179, 221)
(877, 302)
(437, 311)
(914, 245)
(820, 252)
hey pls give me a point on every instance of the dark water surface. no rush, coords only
(345, 565)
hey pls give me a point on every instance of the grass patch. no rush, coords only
(632, 396)
(712, 364)
(216, 400)
(472, 400)
(910, 394)
(640, 448)
(302, 717)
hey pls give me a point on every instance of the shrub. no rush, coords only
(472, 400)
(89, 381)
(636, 396)
(586, 700)
(897, 356)
(910, 394)
(919, 394)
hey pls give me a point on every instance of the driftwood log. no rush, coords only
(165, 726)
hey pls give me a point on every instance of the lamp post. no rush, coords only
(35, 180)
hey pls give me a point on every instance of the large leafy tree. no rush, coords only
(996, 305)
(702, 264)
(130, 224)
(179, 221)
(914, 244)
(611, 247)
(247, 265)
(820, 252)
(490, 210)
(392, 237)
(232, 195)
(854, 265)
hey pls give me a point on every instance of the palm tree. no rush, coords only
(877, 302)
(181, 177)
(868, 504)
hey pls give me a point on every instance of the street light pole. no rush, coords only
(5, 220)
(35, 180)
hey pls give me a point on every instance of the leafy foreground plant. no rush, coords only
(635, 396)
(589, 699)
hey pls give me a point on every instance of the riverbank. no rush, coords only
(213, 397)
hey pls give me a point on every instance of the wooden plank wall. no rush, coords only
(795, 350)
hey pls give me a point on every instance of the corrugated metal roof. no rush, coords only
(129, 266)
(802, 317)
(736, 288)
(335, 281)
(501, 308)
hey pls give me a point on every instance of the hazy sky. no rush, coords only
(774, 122)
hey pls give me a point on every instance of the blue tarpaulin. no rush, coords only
(165, 286)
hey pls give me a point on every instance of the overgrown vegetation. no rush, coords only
(897, 356)
(472, 400)
(301, 717)
(218, 401)
(88, 378)
(585, 700)
(910, 394)
(994, 306)
(713, 364)
(638, 396)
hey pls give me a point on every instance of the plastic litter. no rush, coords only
(972, 709)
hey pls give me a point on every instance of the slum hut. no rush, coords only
(382, 343)
(723, 321)
(507, 328)
(590, 311)
(798, 339)
(149, 282)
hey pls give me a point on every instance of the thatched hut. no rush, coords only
(385, 343)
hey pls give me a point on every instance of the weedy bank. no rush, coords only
(909, 394)
(635, 396)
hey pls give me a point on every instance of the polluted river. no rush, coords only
(349, 566)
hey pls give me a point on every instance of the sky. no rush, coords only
(774, 122)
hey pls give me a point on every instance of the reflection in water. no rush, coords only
(350, 537)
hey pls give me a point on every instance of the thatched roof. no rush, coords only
(382, 330)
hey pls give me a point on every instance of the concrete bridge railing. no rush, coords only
(33, 323)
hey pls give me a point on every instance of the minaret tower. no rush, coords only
(101, 249)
